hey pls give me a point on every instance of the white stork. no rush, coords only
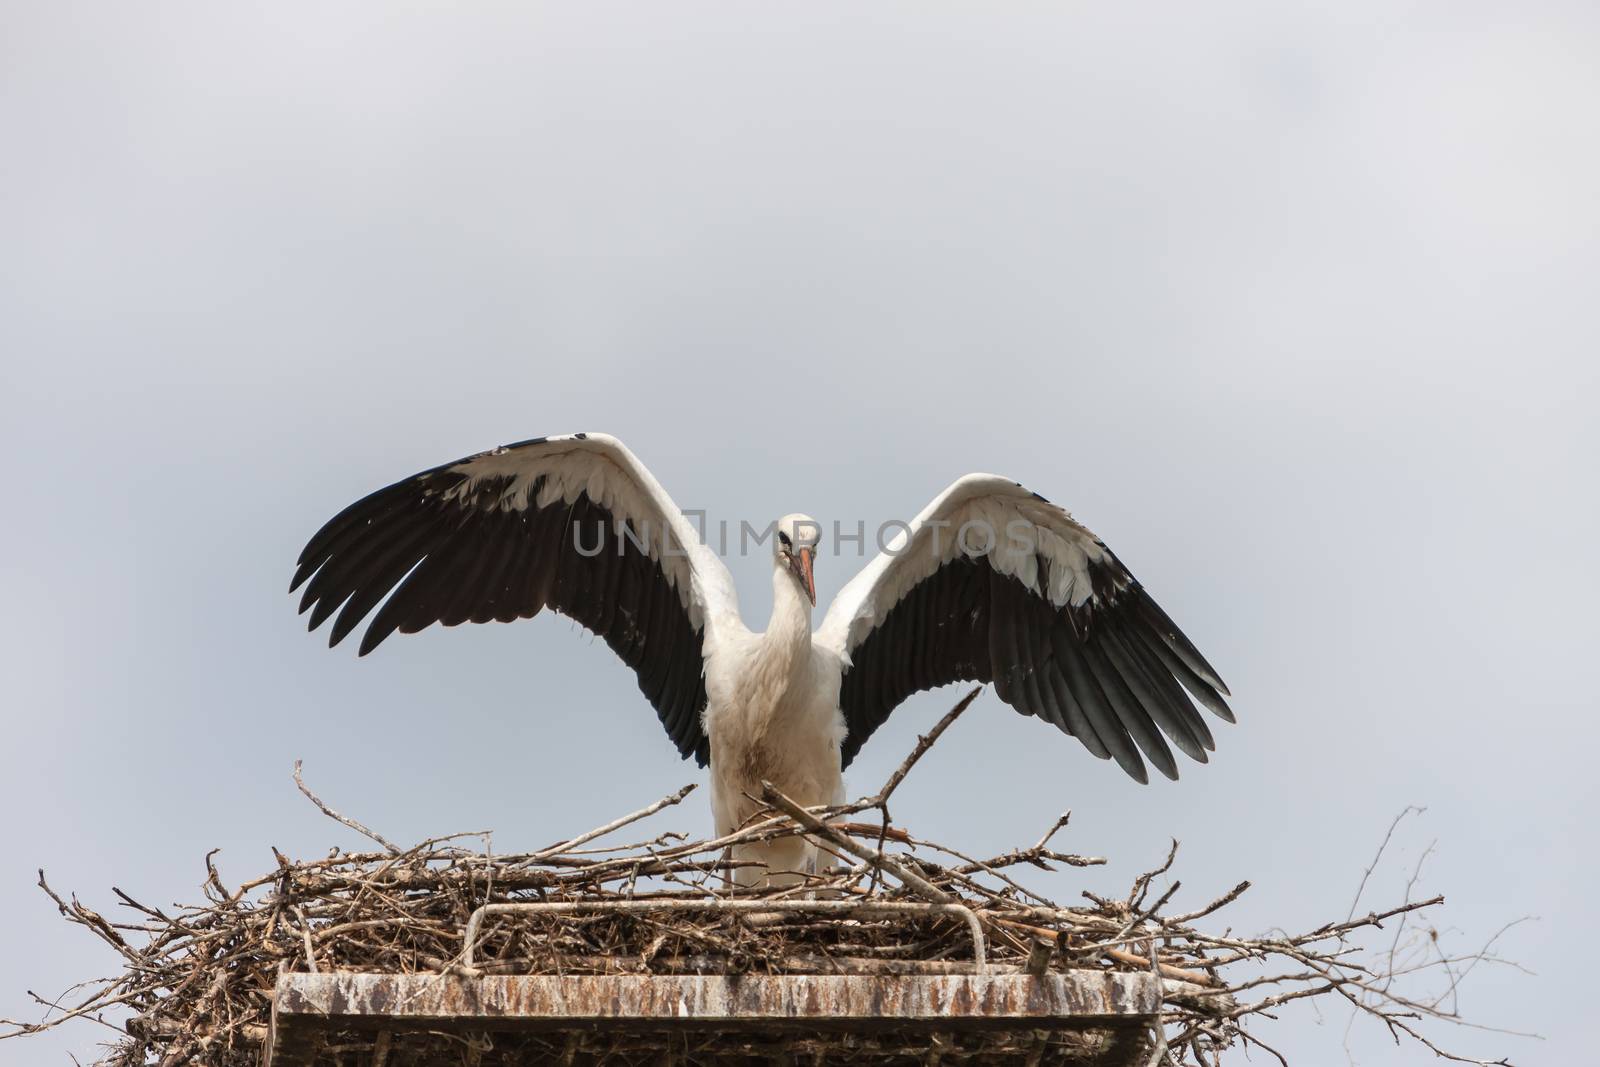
(990, 583)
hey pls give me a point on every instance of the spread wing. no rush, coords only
(574, 524)
(992, 583)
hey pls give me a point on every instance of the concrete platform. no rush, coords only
(1083, 1017)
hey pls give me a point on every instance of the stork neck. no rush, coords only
(789, 630)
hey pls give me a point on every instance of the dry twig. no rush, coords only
(196, 982)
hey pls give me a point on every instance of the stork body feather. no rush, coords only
(772, 714)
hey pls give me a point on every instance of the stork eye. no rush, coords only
(783, 538)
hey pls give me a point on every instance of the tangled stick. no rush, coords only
(195, 983)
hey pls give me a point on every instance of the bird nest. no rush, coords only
(197, 982)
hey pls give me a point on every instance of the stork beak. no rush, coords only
(800, 563)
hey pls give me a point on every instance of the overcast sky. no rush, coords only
(1293, 304)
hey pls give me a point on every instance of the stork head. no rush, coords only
(795, 546)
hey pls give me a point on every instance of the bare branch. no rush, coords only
(330, 813)
(196, 979)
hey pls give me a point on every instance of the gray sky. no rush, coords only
(1293, 304)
